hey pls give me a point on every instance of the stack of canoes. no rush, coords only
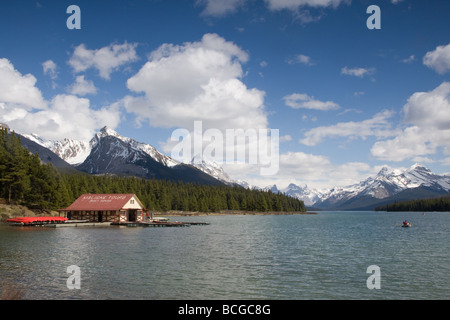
(30, 221)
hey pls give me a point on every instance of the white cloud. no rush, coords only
(82, 87)
(439, 59)
(49, 67)
(67, 116)
(378, 126)
(196, 81)
(219, 8)
(430, 109)
(412, 141)
(357, 72)
(301, 8)
(17, 90)
(301, 58)
(317, 171)
(25, 111)
(428, 114)
(446, 162)
(410, 59)
(302, 100)
(286, 138)
(295, 4)
(106, 60)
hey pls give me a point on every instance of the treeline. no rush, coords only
(159, 195)
(435, 204)
(25, 180)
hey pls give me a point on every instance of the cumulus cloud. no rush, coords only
(299, 8)
(24, 109)
(295, 4)
(317, 171)
(357, 72)
(82, 87)
(301, 58)
(219, 8)
(378, 126)
(302, 100)
(17, 90)
(67, 116)
(412, 141)
(410, 59)
(106, 60)
(50, 68)
(428, 117)
(438, 59)
(196, 81)
(430, 109)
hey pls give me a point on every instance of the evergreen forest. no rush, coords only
(25, 180)
(434, 204)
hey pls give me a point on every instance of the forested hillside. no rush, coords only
(25, 180)
(435, 204)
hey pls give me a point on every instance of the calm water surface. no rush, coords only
(323, 256)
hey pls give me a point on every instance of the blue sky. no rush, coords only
(346, 100)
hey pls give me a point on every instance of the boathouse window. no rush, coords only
(131, 201)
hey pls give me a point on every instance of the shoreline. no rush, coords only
(228, 213)
(14, 211)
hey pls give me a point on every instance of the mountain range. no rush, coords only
(389, 185)
(110, 153)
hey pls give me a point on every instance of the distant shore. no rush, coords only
(227, 212)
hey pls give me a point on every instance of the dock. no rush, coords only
(74, 224)
(54, 223)
(159, 224)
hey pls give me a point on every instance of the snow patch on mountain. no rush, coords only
(212, 168)
(76, 152)
(308, 195)
(147, 148)
(72, 151)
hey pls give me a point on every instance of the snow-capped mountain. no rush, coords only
(212, 168)
(75, 152)
(108, 152)
(308, 195)
(387, 184)
(112, 153)
(147, 148)
(70, 150)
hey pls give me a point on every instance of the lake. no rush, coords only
(283, 257)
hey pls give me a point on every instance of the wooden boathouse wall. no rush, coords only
(106, 208)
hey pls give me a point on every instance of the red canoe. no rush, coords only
(37, 220)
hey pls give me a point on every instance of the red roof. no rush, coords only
(101, 202)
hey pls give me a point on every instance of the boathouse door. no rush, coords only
(132, 215)
(100, 216)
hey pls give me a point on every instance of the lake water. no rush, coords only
(323, 256)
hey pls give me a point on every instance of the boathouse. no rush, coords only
(106, 208)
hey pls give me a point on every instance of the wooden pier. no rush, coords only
(55, 223)
(159, 224)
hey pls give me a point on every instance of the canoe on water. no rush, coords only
(408, 225)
